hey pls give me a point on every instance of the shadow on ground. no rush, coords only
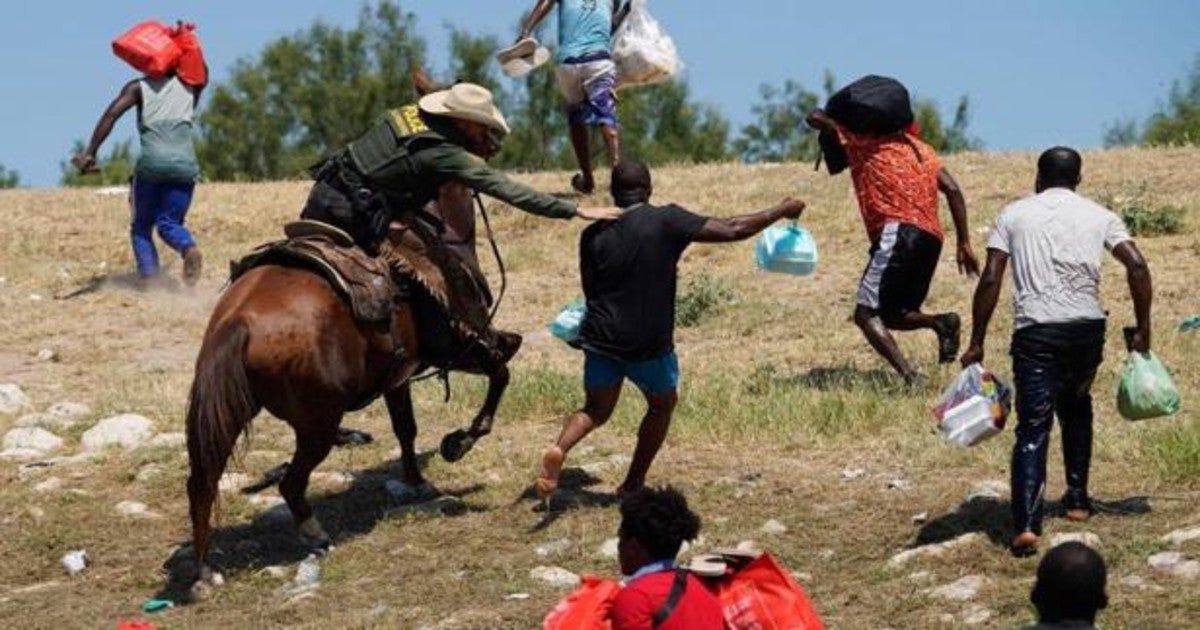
(833, 378)
(991, 517)
(271, 538)
(572, 494)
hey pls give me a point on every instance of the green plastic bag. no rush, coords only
(1146, 390)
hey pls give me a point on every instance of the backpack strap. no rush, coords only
(677, 589)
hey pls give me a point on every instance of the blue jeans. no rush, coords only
(655, 377)
(161, 205)
(1053, 366)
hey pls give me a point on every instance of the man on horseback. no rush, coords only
(395, 169)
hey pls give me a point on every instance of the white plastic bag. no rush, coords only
(642, 50)
(974, 407)
(786, 249)
(566, 325)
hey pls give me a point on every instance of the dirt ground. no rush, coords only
(786, 414)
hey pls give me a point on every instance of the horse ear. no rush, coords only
(421, 82)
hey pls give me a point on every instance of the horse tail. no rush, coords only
(221, 403)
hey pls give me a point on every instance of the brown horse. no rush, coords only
(283, 340)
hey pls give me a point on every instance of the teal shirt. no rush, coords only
(165, 129)
(584, 27)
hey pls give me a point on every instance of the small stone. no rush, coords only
(47, 354)
(516, 596)
(773, 527)
(920, 519)
(36, 512)
(36, 297)
(32, 438)
(1174, 563)
(169, 440)
(75, 561)
(960, 590)
(276, 572)
(126, 430)
(920, 576)
(148, 472)
(899, 484)
(976, 615)
(134, 509)
(553, 547)
(1087, 538)
(747, 545)
(1180, 536)
(555, 576)
(987, 490)
(801, 576)
(1134, 581)
(827, 554)
(66, 409)
(850, 474)
(935, 549)
(267, 501)
(608, 549)
(12, 399)
(333, 481)
(49, 485)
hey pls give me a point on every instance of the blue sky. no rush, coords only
(1038, 72)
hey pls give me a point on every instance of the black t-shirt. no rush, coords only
(629, 268)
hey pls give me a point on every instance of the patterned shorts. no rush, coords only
(588, 89)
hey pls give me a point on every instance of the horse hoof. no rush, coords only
(311, 532)
(456, 444)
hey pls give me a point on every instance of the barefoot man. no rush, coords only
(629, 268)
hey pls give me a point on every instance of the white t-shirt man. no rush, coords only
(1056, 240)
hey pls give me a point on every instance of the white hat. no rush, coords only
(522, 57)
(465, 101)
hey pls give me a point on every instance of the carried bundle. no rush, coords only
(567, 323)
(788, 249)
(1146, 389)
(873, 106)
(156, 50)
(642, 51)
(974, 407)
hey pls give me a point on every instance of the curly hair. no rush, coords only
(659, 519)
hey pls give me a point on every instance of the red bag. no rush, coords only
(763, 596)
(149, 48)
(587, 608)
(191, 68)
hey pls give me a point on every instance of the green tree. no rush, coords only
(115, 167)
(1123, 133)
(9, 178)
(779, 133)
(660, 123)
(943, 139)
(307, 94)
(1177, 122)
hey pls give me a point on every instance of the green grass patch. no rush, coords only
(1142, 215)
(703, 297)
(1174, 450)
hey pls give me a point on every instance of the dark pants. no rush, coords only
(1053, 365)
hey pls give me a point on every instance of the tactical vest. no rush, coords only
(383, 156)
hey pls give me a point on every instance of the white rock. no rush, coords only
(134, 509)
(47, 421)
(275, 571)
(555, 576)
(934, 550)
(516, 596)
(849, 474)
(267, 501)
(553, 547)
(773, 527)
(1180, 536)
(1174, 563)
(920, 519)
(991, 490)
(47, 354)
(20, 454)
(74, 561)
(169, 440)
(976, 615)
(1134, 581)
(49, 484)
(148, 472)
(920, 576)
(608, 549)
(899, 483)
(12, 399)
(1087, 538)
(32, 438)
(126, 430)
(961, 590)
(36, 297)
(748, 545)
(801, 576)
(67, 409)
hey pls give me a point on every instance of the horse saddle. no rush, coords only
(364, 281)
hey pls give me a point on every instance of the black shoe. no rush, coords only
(948, 328)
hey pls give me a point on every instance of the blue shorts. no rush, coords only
(655, 377)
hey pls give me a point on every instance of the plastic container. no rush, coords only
(972, 421)
(191, 68)
(788, 249)
(149, 47)
(566, 325)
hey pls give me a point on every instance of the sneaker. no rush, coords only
(949, 329)
(193, 262)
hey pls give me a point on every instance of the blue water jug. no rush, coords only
(566, 325)
(786, 249)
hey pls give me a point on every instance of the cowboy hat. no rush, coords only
(522, 57)
(465, 101)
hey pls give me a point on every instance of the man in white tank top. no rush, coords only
(166, 170)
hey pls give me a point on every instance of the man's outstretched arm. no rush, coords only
(747, 225)
(130, 95)
(986, 296)
(1141, 289)
(540, 10)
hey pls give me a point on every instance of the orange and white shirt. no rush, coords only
(895, 179)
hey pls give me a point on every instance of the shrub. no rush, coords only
(1142, 216)
(704, 297)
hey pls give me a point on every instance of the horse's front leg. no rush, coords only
(404, 424)
(457, 444)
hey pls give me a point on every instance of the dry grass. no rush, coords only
(780, 395)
